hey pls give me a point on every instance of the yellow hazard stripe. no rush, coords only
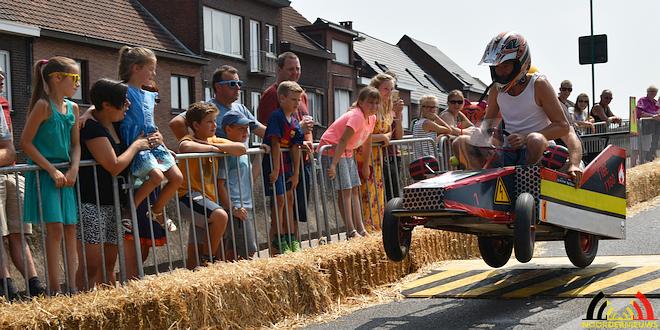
(604, 283)
(583, 197)
(646, 287)
(435, 277)
(454, 284)
(503, 283)
(554, 283)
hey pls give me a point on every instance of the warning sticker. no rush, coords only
(622, 175)
(501, 195)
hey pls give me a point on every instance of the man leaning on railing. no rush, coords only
(649, 109)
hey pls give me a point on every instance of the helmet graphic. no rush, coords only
(507, 46)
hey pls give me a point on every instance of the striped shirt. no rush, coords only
(423, 148)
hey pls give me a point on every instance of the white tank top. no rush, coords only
(520, 113)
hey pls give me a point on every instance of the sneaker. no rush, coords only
(295, 246)
(169, 224)
(282, 246)
(128, 225)
(12, 291)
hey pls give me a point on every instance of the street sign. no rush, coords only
(600, 49)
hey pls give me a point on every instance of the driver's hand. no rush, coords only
(576, 174)
(516, 141)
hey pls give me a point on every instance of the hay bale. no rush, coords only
(643, 183)
(245, 294)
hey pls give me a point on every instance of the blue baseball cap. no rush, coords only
(234, 117)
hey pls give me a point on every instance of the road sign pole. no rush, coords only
(593, 53)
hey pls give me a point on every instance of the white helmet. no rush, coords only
(507, 46)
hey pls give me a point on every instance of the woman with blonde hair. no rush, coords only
(388, 127)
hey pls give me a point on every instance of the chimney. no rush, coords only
(347, 25)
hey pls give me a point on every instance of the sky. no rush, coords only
(461, 29)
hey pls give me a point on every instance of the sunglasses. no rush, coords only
(566, 89)
(231, 83)
(456, 102)
(74, 76)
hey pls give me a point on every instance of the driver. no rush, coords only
(528, 106)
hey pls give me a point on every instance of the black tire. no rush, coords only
(524, 233)
(496, 251)
(396, 240)
(581, 248)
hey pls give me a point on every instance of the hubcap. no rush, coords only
(585, 242)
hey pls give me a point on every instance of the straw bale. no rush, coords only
(246, 294)
(643, 183)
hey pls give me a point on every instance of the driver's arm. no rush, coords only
(574, 147)
(548, 101)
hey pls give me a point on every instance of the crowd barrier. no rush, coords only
(154, 250)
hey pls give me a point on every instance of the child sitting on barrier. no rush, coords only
(281, 169)
(235, 171)
(347, 133)
(197, 193)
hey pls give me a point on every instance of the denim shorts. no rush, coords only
(147, 160)
(346, 176)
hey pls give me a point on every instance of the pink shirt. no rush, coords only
(353, 118)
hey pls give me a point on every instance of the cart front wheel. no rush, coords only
(581, 248)
(396, 239)
(496, 251)
(524, 233)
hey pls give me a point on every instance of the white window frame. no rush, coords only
(341, 107)
(255, 97)
(271, 40)
(6, 68)
(177, 104)
(341, 51)
(216, 21)
(207, 94)
(315, 105)
(405, 117)
(255, 45)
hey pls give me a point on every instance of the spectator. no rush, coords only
(601, 110)
(11, 197)
(289, 69)
(226, 86)
(282, 170)
(581, 118)
(51, 136)
(430, 125)
(395, 104)
(234, 174)
(455, 118)
(137, 67)
(197, 193)
(347, 133)
(373, 192)
(647, 107)
(565, 89)
(100, 141)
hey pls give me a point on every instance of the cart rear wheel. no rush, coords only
(396, 239)
(581, 248)
(524, 233)
(496, 251)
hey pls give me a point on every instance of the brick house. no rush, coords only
(240, 33)
(91, 32)
(377, 56)
(442, 68)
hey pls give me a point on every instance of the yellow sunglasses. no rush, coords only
(74, 76)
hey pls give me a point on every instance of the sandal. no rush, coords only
(352, 234)
(165, 223)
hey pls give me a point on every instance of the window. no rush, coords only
(342, 102)
(180, 92)
(254, 99)
(223, 33)
(80, 95)
(255, 40)
(405, 120)
(207, 94)
(340, 49)
(6, 68)
(271, 39)
(315, 106)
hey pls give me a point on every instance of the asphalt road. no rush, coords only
(496, 313)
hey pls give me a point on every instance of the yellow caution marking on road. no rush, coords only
(607, 282)
(555, 282)
(503, 283)
(644, 288)
(435, 277)
(454, 284)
